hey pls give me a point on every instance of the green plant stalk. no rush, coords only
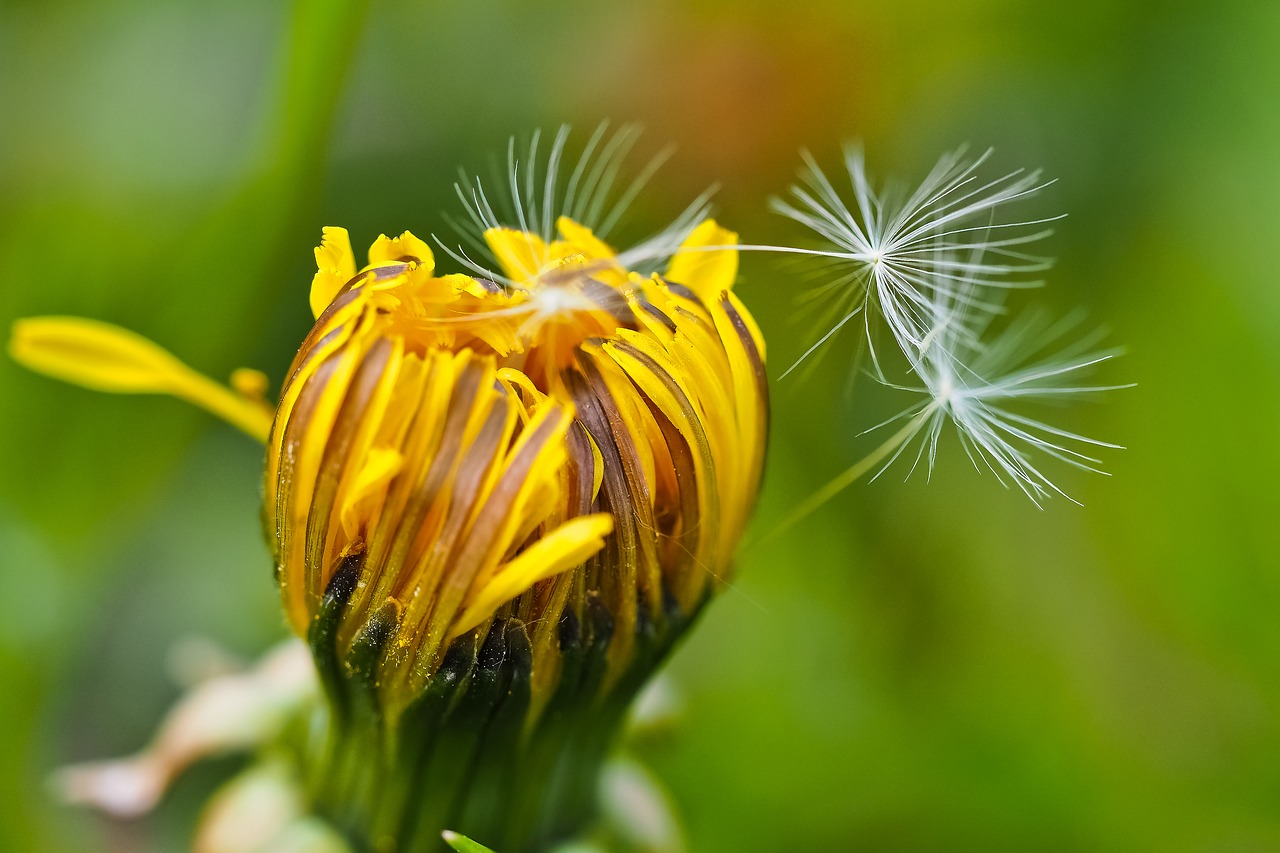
(467, 755)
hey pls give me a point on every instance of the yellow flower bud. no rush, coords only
(494, 505)
(477, 450)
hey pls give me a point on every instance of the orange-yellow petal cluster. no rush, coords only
(577, 437)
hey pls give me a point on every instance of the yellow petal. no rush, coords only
(380, 466)
(404, 247)
(522, 256)
(335, 264)
(583, 240)
(580, 244)
(93, 354)
(567, 546)
(753, 328)
(325, 285)
(334, 252)
(466, 284)
(597, 467)
(707, 273)
(108, 358)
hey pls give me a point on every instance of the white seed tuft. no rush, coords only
(936, 265)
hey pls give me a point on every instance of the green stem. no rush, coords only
(466, 755)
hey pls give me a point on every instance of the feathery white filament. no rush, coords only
(936, 265)
(978, 385)
(534, 194)
(904, 253)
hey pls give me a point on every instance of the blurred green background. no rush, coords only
(917, 666)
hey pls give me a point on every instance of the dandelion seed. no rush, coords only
(939, 304)
(906, 252)
(979, 385)
(979, 391)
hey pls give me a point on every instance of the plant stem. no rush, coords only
(849, 476)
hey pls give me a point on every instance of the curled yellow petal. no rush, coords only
(706, 271)
(581, 244)
(584, 240)
(522, 256)
(335, 265)
(108, 358)
(382, 464)
(406, 246)
(567, 546)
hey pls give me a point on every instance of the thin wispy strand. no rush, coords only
(533, 191)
